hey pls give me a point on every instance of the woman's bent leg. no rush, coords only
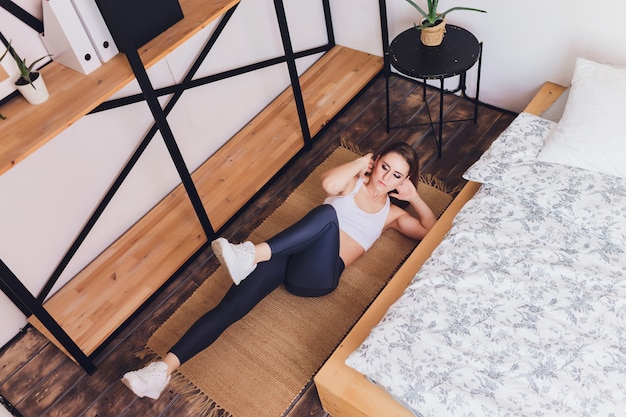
(241, 259)
(308, 277)
(237, 302)
(312, 244)
(314, 225)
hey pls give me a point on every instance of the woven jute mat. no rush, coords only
(261, 363)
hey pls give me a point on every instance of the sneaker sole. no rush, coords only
(138, 393)
(130, 386)
(218, 246)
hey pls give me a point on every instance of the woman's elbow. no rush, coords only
(330, 186)
(429, 223)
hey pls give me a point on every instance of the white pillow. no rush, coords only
(591, 133)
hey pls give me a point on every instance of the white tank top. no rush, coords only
(360, 225)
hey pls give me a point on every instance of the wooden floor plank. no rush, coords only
(307, 405)
(38, 383)
(20, 352)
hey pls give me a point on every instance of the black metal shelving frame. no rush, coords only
(10, 284)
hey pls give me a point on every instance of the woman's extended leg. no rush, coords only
(237, 302)
(151, 380)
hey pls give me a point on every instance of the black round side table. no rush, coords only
(458, 52)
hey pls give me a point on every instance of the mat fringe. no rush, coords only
(353, 147)
(440, 185)
(145, 353)
(183, 386)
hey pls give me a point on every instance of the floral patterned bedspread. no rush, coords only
(521, 310)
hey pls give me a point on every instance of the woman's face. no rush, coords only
(389, 171)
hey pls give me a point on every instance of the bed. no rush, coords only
(515, 303)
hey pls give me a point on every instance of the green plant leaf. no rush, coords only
(462, 8)
(25, 70)
(431, 17)
(432, 10)
(31, 66)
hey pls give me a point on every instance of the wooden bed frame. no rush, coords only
(345, 392)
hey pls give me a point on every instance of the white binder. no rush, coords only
(66, 39)
(96, 28)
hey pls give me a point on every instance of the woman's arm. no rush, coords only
(410, 226)
(336, 180)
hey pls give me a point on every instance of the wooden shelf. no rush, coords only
(100, 298)
(72, 94)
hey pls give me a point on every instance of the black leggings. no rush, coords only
(305, 257)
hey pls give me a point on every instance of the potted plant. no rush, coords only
(30, 83)
(433, 24)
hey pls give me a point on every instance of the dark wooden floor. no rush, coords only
(40, 381)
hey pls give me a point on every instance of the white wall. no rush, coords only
(46, 199)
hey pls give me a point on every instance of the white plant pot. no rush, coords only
(36, 95)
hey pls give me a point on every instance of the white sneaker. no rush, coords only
(149, 381)
(237, 259)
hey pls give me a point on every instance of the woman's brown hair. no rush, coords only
(407, 152)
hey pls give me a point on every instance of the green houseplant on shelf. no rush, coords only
(433, 24)
(30, 82)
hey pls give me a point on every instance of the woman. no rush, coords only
(309, 256)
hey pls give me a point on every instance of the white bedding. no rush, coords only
(521, 310)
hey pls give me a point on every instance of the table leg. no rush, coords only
(480, 64)
(440, 137)
(387, 98)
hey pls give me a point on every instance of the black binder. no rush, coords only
(133, 23)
